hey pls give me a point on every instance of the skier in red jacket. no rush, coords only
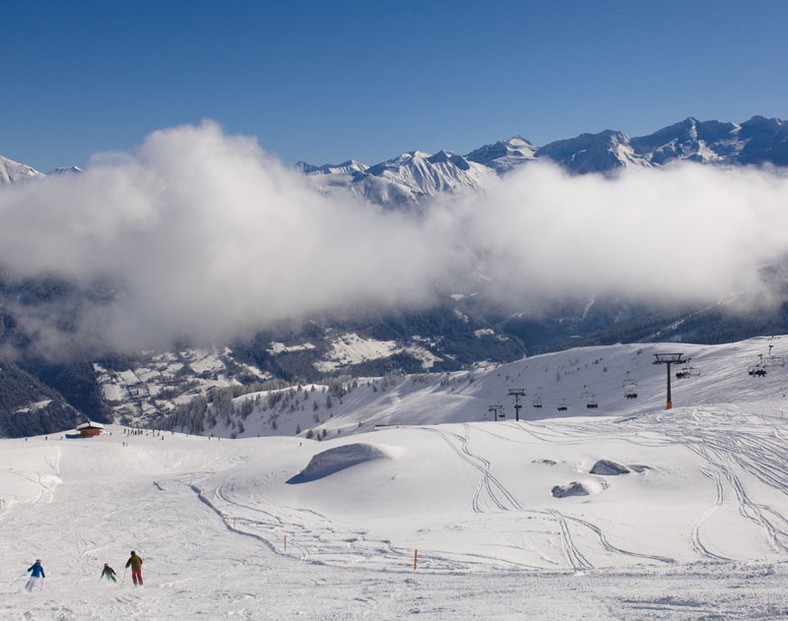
(136, 568)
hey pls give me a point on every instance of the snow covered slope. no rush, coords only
(573, 379)
(447, 520)
(504, 154)
(14, 172)
(404, 181)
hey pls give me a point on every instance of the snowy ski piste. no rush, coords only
(424, 507)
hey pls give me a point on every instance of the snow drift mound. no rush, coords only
(578, 488)
(336, 459)
(609, 468)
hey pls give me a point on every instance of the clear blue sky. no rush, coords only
(328, 81)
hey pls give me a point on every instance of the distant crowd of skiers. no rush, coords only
(37, 574)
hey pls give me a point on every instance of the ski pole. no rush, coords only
(19, 578)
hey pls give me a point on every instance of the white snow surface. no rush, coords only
(350, 349)
(286, 528)
(14, 172)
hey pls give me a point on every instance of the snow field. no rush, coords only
(284, 527)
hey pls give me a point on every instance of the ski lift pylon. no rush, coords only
(773, 361)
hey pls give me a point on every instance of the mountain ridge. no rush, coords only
(415, 177)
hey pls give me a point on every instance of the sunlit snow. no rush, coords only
(681, 513)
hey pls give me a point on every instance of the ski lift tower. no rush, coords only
(496, 411)
(669, 359)
(517, 393)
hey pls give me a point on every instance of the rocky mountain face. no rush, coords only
(29, 407)
(139, 388)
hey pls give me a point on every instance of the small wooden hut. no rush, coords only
(89, 429)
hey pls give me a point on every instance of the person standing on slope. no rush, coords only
(109, 573)
(36, 574)
(136, 568)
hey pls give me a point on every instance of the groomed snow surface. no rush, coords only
(683, 517)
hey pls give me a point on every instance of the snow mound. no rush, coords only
(336, 459)
(578, 488)
(609, 468)
(574, 488)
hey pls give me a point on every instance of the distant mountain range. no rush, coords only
(414, 177)
(14, 172)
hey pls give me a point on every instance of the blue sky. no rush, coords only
(329, 81)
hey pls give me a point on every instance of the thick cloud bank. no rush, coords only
(204, 234)
(690, 233)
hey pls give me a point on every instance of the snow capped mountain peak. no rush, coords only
(441, 156)
(350, 166)
(415, 175)
(14, 172)
(66, 170)
(504, 155)
(588, 153)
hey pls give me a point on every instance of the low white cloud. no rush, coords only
(688, 233)
(205, 234)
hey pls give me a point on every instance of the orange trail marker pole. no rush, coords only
(415, 558)
(285, 543)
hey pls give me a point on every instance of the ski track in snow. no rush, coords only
(755, 453)
(498, 495)
(697, 543)
(494, 488)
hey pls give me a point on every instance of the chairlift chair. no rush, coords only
(592, 403)
(630, 388)
(562, 407)
(687, 371)
(537, 403)
(757, 370)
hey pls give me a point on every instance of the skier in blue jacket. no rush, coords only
(36, 574)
